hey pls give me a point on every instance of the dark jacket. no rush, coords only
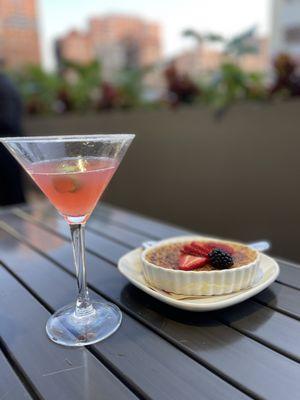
(11, 188)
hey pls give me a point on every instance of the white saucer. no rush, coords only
(131, 267)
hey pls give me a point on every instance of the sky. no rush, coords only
(223, 16)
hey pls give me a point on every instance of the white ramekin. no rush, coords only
(199, 283)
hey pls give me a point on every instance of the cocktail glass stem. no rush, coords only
(83, 303)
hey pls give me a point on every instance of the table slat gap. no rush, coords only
(126, 226)
(109, 237)
(281, 311)
(261, 341)
(286, 284)
(24, 379)
(11, 381)
(25, 286)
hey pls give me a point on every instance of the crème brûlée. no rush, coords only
(170, 255)
(200, 266)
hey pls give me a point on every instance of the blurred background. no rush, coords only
(211, 88)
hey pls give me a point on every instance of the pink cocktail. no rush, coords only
(74, 185)
(73, 172)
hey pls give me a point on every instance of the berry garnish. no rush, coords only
(66, 184)
(202, 249)
(190, 250)
(220, 259)
(188, 262)
(196, 249)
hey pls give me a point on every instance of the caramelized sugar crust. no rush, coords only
(167, 256)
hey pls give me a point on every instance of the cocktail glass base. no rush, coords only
(66, 328)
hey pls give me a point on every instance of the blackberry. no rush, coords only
(220, 259)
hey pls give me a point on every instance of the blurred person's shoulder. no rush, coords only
(7, 86)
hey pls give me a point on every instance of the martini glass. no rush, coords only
(73, 172)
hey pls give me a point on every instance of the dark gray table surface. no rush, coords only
(248, 351)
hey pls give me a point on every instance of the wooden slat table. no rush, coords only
(249, 351)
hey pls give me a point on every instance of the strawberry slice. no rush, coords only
(203, 248)
(217, 245)
(188, 249)
(188, 262)
(196, 249)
